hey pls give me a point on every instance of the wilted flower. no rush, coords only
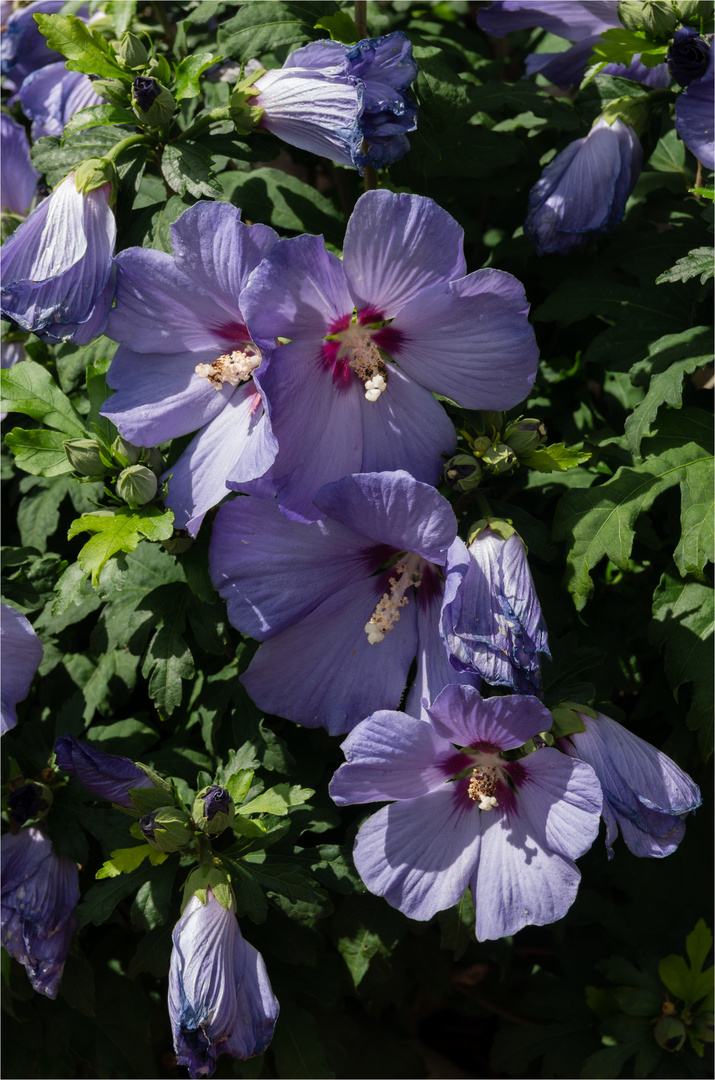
(38, 897)
(372, 337)
(344, 102)
(186, 359)
(18, 179)
(107, 776)
(20, 654)
(465, 816)
(580, 21)
(220, 998)
(352, 599)
(494, 623)
(57, 277)
(645, 794)
(583, 192)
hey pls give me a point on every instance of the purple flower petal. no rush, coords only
(256, 1009)
(562, 804)
(107, 776)
(51, 95)
(18, 179)
(463, 716)
(694, 118)
(572, 19)
(21, 651)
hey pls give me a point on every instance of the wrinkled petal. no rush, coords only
(463, 716)
(21, 653)
(256, 1009)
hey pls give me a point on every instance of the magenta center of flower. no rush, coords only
(406, 575)
(231, 367)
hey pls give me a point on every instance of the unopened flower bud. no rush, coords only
(688, 57)
(94, 173)
(670, 1033)
(657, 17)
(84, 457)
(29, 801)
(112, 90)
(463, 472)
(499, 459)
(481, 444)
(132, 52)
(524, 435)
(167, 829)
(137, 485)
(125, 452)
(154, 460)
(152, 103)
(158, 68)
(213, 809)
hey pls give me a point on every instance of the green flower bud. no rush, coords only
(524, 435)
(630, 14)
(84, 457)
(670, 1033)
(167, 829)
(125, 452)
(152, 103)
(112, 90)
(463, 472)
(213, 809)
(158, 68)
(137, 485)
(657, 17)
(499, 459)
(93, 173)
(480, 445)
(132, 52)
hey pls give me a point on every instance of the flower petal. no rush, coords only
(256, 1009)
(562, 804)
(463, 716)
(21, 655)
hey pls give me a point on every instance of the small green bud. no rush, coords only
(167, 829)
(524, 435)
(84, 457)
(93, 173)
(480, 445)
(132, 52)
(125, 452)
(658, 18)
(213, 809)
(670, 1033)
(112, 90)
(499, 459)
(630, 14)
(137, 485)
(158, 68)
(463, 472)
(152, 103)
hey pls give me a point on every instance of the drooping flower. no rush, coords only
(494, 623)
(186, 358)
(344, 102)
(372, 336)
(580, 21)
(52, 94)
(645, 794)
(18, 179)
(694, 107)
(220, 998)
(465, 816)
(20, 654)
(343, 605)
(107, 776)
(38, 897)
(57, 278)
(583, 191)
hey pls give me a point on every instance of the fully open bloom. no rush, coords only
(344, 605)
(580, 21)
(20, 655)
(494, 623)
(583, 191)
(38, 897)
(345, 102)
(465, 816)
(186, 359)
(57, 277)
(106, 775)
(645, 794)
(18, 179)
(372, 336)
(220, 998)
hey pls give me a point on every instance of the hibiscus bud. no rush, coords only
(93, 173)
(112, 90)
(84, 457)
(524, 435)
(670, 1033)
(132, 52)
(152, 103)
(499, 459)
(480, 445)
(167, 829)
(213, 809)
(688, 56)
(463, 472)
(158, 68)
(126, 452)
(137, 485)
(29, 801)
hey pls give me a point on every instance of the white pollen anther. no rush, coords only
(366, 362)
(407, 573)
(232, 368)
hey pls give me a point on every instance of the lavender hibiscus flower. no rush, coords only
(465, 816)
(106, 775)
(344, 605)
(645, 794)
(690, 61)
(52, 94)
(580, 21)
(583, 191)
(220, 998)
(186, 359)
(18, 179)
(344, 102)
(38, 897)
(370, 339)
(57, 277)
(494, 623)
(21, 653)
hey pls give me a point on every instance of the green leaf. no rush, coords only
(38, 514)
(683, 618)
(619, 46)
(285, 202)
(580, 296)
(363, 928)
(600, 521)
(239, 784)
(187, 167)
(669, 154)
(28, 388)
(284, 878)
(263, 25)
(250, 898)
(99, 902)
(124, 860)
(188, 72)
(152, 904)
(97, 116)
(85, 49)
(698, 945)
(340, 27)
(698, 261)
(297, 1043)
(38, 451)
(277, 800)
(629, 1035)
(119, 530)
(167, 661)
(153, 953)
(707, 192)
(555, 458)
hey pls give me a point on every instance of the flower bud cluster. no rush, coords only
(137, 468)
(495, 450)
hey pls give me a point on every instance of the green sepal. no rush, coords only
(630, 110)
(160, 111)
(220, 821)
(245, 116)
(146, 800)
(85, 458)
(204, 877)
(156, 779)
(498, 525)
(113, 91)
(566, 719)
(172, 829)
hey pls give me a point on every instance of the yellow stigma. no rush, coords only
(231, 368)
